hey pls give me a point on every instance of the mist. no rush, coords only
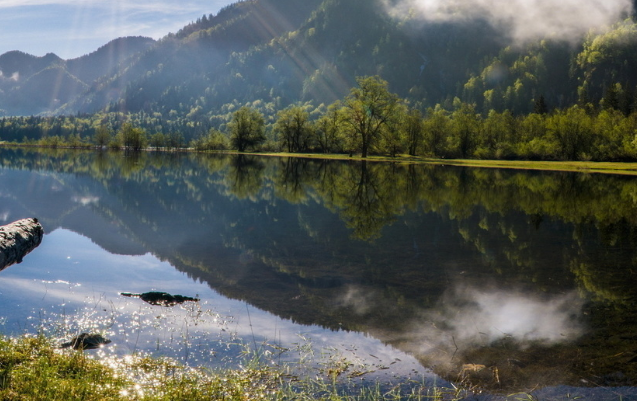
(520, 20)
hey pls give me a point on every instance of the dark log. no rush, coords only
(18, 239)
(160, 298)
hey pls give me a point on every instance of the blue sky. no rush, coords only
(72, 28)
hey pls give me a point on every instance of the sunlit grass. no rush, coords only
(32, 368)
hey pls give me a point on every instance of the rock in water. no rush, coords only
(86, 341)
(160, 298)
(18, 239)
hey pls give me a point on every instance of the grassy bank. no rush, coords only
(33, 369)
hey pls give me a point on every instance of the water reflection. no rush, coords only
(529, 274)
(483, 316)
(72, 286)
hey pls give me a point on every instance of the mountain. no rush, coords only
(105, 60)
(47, 89)
(183, 66)
(16, 62)
(33, 85)
(284, 51)
(271, 53)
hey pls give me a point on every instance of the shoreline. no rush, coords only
(619, 168)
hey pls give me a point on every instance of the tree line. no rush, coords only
(370, 120)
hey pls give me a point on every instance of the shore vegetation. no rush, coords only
(33, 369)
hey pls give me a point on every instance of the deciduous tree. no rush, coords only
(327, 129)
(247, 129)
(132, 137)
(293, 126)
(102, 136)
(368, 110)
(414, 130)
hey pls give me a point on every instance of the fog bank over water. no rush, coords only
(521, 20)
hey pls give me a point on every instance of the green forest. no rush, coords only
(335, 76)
(371, 120)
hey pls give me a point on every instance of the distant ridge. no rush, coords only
(104, 60)
(35, 85)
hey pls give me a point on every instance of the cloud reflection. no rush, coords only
(482, 316)
(471, 317)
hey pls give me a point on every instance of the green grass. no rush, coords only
(33, 369)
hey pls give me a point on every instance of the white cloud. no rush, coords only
(521, 20)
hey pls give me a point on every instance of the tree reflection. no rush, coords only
(293, 178)
(605, 263)
(371, 246)
(245, 177)
(361, 198)
(132, 162)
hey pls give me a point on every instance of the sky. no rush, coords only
(72, 28)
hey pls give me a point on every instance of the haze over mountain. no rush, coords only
(279, 52)
(520, 20)
(32, 85)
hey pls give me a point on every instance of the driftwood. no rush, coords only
(18, 239)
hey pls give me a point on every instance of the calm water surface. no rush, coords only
(505, 280)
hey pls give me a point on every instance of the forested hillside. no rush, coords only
(285, 51)
(267, 55)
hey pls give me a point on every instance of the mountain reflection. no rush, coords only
(528, 274)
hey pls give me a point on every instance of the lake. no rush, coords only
(505, 281)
